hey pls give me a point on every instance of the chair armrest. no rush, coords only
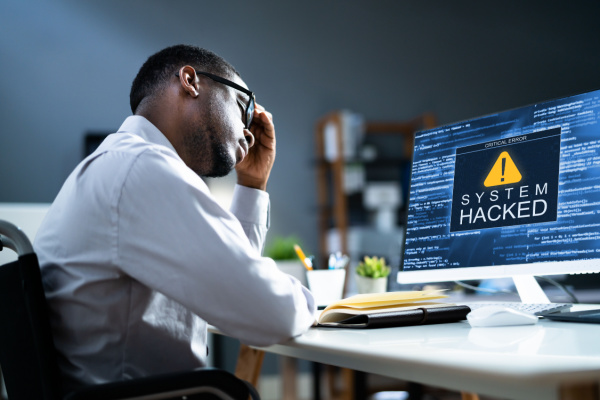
(213, 381)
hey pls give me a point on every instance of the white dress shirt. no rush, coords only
(137, 258)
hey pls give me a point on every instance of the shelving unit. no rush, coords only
(352, 153)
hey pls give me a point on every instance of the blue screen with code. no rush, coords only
(515, 187)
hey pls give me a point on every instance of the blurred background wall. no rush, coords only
(66, 69)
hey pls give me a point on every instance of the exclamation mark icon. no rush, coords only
(504, 172)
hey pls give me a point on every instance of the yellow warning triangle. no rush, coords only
(503, 172)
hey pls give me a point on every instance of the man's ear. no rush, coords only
(189, 80)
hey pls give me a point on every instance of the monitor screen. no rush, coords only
(513, 193)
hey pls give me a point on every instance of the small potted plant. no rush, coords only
(371, 275)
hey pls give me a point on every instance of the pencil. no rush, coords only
(302, 257)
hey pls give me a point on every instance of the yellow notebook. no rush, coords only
(390, 305)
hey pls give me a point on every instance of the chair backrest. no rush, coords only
(27, 353)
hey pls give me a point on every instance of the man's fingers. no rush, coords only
(264, 122)
(268, 115)
(260, 110)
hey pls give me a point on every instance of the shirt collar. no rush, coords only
(140, 126)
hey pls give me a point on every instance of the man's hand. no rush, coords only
(255, 168)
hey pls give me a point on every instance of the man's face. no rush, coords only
(217, 141)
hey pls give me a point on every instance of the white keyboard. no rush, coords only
(535, 309)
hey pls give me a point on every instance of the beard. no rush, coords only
(209, 153)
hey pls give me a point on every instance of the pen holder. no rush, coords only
(326, 285)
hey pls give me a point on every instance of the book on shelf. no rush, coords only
(380, 310)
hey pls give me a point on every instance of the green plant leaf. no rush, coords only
(373, 267)
(282, 248)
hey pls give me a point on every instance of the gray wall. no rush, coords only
(66, 68)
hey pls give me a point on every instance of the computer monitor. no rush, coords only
(513, 194)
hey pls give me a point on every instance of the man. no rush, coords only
(136, 255)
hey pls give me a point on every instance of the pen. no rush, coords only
(332, 261)
(343, 262)
(338, 261)
(305, 261)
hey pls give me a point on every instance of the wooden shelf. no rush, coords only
(332, 199)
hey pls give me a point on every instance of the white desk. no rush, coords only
(523, 362)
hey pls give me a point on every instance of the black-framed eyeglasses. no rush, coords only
(249, 111)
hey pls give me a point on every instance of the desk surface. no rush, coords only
(520, 362)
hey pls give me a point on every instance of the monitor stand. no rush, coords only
(529, 290)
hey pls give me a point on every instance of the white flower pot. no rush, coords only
(370, 285)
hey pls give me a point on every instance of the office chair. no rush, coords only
(28, 357)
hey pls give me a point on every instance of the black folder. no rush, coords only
(416, 316)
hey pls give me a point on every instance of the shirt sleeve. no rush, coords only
(173, 237)
(251, 208)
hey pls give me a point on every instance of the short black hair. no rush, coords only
(161, 67)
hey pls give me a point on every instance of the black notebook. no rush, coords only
(415, 316)
(391, 309)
